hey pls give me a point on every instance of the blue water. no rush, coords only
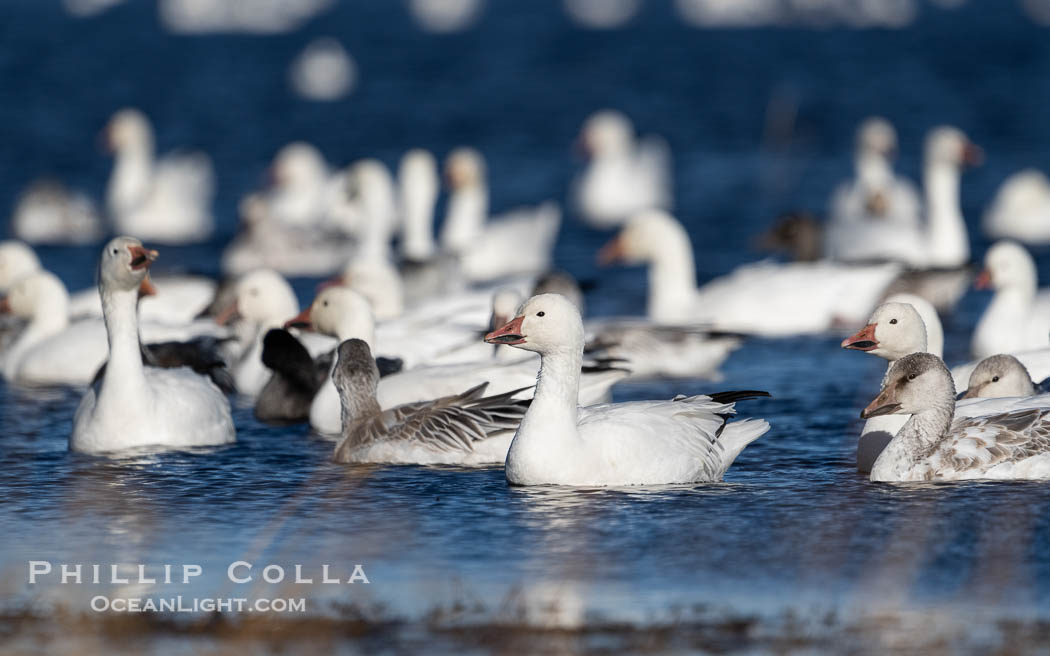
(793, 525)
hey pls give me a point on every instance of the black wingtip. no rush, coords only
(738, 395)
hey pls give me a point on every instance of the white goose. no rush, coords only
(624, 176)
(686, 440)
(418, 187)
(136, 406)
(1014, 444)
(49, 213)
(876, 194)
(167, 200)
(765, 298)
(519, 242)
(464, 429)
(1018, 318)
(53, 350)
(16, 260)
(1021, 209)
(1036, 362)
(903, 325)
(344, 314)
(997, 377)
(939, 242)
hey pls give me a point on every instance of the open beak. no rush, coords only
(141, 258)
(509, 334)
(984, 280)
(5, 306)
(972, 154)
(229, 314)
(863, 340)
(884, 404)
(612, 252)
(146, 287)
(301, 320)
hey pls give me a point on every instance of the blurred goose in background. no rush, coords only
(903, 325)
(1020, 209)
(624, 176)
(340, 312)
(876, 194)
(686, 440)
(515, 243)
(1018, 317)
(137, 406)
(1036, 362)
(262, 300)
(167, 199)
(765, 298)
(801, 236)
(1001, 376)
(52, 350)
(418, 185)
(301, 189)
(940, 241)
(373, 200)
(49, 213)
(995, 439)
(16, 260)
(464, 429)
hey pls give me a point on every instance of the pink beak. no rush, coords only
(301, 320)
(509, 334)
(863, 340)
(141, 258)
(612, 252)
(984, 280)
(228, 315)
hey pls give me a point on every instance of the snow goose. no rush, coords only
(765, 298)
(901, 326)
(52, 350)
(519, 242)
(876, 194)
(167, 200)
(1036, 362)
(931, 446)
(1018, 318)
(1021, 209)
(372, 196)
(624, 176)
(16, 260)
(136, 406)
(418, 186)
(340, 312)
(48, 213)
(939, 242)
(299, 189)
(686, 440)
(263, 300)
(999, 376)
(464, 429)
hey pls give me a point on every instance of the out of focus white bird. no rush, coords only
(624, 175)
(48, 213)
(1021, 209)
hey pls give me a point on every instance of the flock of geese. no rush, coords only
(464, 347)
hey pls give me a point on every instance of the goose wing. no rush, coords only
(980, 443)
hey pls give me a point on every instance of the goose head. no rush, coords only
(38, 295)
(464, 169)
(16, 260)
(262, 297)
(893, 331)
(127, 130)
(930, 319)
(298, 165)
(1007, 265)
(417, 172)
(606, 133)
(796, 233)
(545, 324)
(949, 147)
(644, 238)
(356, 375)
(876, 135)
(913, 384)
(338, 311)
(125, 265)
(999, 376)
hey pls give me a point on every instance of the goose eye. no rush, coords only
(540, 314)
(325, 303)
(995, 379)
(893, 321)
(911, 376)
(116, 252)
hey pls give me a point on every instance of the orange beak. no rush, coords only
(301, 320)
(146, 288)
(984, 280)
(5, 306)
(509, 334)
(863, 340)
(973, 155)
(141, 258)
(612, 252)
(229, 314)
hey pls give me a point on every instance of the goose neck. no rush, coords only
(914, 442)
(120, 312)
(947, 239)
(467, 210)
(672, 280)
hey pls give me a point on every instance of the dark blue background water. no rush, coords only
(792, 526)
